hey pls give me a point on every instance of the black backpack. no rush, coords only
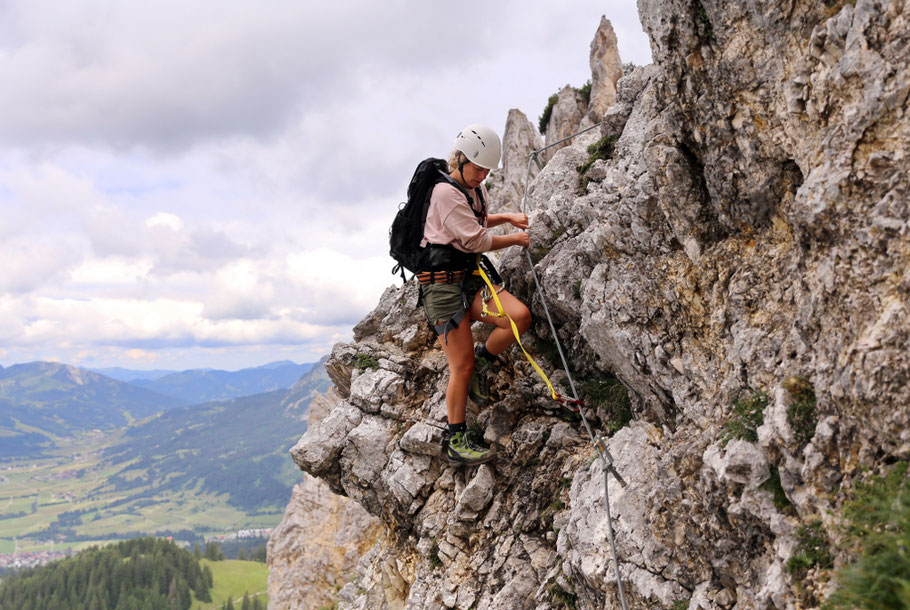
(407, 228)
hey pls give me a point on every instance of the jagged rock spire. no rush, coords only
(606, 70)
(572, 111)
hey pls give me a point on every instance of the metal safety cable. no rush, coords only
(605, 456)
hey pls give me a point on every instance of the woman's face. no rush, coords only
(474, 175)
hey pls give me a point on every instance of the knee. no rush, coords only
(522, 319)
(462, 370)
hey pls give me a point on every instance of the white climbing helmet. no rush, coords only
(480, 144)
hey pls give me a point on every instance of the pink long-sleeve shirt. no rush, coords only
(451, 221)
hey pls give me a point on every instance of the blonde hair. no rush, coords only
(456, 160)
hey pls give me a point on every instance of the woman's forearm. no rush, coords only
(494, 220)
(512, 239)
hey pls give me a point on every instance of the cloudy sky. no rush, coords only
(210, 184)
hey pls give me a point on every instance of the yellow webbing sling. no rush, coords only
(502, 314)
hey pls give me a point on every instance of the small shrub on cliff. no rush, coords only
(834, 6)
(812, 549)
(878, 531)
(706, 30)
(748, 415)
(585, 92)
(779, 497)
(602, 149)
(435, 561)
(610, 399)
(576, 289)
(561, 596)
(801, 413)
(544, 119)
(366, 361)
(539, 251)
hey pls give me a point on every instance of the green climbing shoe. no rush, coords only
(479, 390)
(461, 449)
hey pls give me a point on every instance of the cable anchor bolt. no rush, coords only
(608, 460)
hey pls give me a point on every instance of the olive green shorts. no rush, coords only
(444, 306)
(442, 302)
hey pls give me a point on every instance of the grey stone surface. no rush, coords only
(750, 232)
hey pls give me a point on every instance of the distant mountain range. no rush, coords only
(185, 471)
(43, 401)
(122, 374)
(204, 385)
(236, 447)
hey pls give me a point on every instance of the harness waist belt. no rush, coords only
(440, 277)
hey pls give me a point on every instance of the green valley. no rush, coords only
(188, 472)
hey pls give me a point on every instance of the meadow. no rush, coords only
(72, 498)
(232, 579)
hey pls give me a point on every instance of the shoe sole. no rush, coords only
(452, 460)
(470, 462)
(480, 402)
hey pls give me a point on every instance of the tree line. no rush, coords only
(245, 604)
(138, 574)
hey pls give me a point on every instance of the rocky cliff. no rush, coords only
(739, 244)
(315, 549)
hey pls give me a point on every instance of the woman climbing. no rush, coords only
(457, 217)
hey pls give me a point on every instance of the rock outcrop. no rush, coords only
(574, 110)
(520, 139)
(606, 70)
(746, 234)
(566, 117)
(314, 551)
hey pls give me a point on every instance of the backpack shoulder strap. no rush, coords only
(483, 204)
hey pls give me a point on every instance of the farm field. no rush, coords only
(70, 499)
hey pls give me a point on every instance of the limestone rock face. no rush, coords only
(520, 138)
(315, 549)
(566, 118)
(606, 70)
(748, 234)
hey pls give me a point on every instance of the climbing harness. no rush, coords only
(598, 442)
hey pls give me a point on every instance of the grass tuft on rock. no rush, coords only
(802, 414)
(812, 549)
(366, 361)
(608, 397)
(878, 535)
(600, 150)
(747, 416)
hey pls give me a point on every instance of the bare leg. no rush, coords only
(459, 352)
(502, 336)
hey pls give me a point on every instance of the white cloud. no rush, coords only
(163, 219)
(210, 183)
(110, 272)
(30, 262)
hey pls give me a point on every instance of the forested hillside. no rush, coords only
(217, 445)
(219, 467)
(140, 574)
